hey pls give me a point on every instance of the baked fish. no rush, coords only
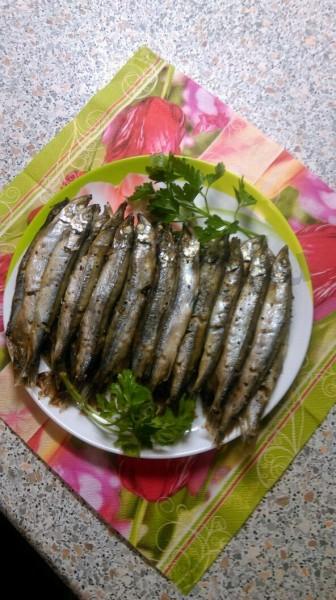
(179, 313)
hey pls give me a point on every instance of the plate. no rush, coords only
(264, 218)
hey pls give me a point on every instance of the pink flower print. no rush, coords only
(107, 193)
(4, 265)
(156, 480)
(204, 111)
(90, 472)
(316, 197)
(319, 245)
(150, 126)
(72, 176)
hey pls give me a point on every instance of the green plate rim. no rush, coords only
(115, 172)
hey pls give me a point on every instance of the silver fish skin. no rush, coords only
(221, 313)
(84, 278)
(249, 419)
(20, 287)
(212, 259)
(248, 249)
(39, 256)
(241, 327)
(131, 303)
(53, 283)
(273, 321)
(157, 305)
(176, 322)
(105, 294)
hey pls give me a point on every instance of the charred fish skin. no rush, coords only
(241, 327)
(127, 313)
(221, 313)
(43, 247)
(158, 303)
(271, 325)
(84, 278)
(105, 294)
(249, 419)
(20, 281)
(176, 322)
(52, 287)
(212, 259)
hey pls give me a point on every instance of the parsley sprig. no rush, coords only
(174, 203)
(127, 410)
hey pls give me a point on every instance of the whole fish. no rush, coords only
(108, 288)
(212, 258)
(176, 322)
(15, 351)
(38, 258)
(221, 313)
(271, 325)
(53, 283)
(131, 303)
(249, 419)
(241, 327)
(84, 278)
(157, 305)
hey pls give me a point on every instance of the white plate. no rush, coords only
(198, 440)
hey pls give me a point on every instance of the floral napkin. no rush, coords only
(179, 513)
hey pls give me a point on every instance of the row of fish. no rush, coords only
(96, 293)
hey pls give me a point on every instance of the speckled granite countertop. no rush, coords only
(275, 63)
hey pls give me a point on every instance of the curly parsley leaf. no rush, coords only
(211, 178)
(171, 427)
(243, 197)
(128, 410)
(170, 200)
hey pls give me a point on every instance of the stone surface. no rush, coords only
(274, 62)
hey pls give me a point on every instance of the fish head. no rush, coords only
(82, 201)
(145, 232)
(124, 233)
(113, 219)
(215, 250)
(76, 211)
(260, 260)
(190, 245)
(83, 217)
(235, 257)
(281, 270)
(166, 244)
(251, 246)
(120, 212)
(101, 218)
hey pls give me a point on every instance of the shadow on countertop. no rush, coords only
(23, 572)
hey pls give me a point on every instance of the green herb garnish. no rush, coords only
(127, 409)
(175, 203)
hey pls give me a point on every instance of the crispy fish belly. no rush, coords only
(84, 278)
(97, 314)
(269, 331)
(241, 327)
(127, 313)
(179, 313)
(156, 306)
(53, 283)
(224, 304)
(213, 257)
(29, 282)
